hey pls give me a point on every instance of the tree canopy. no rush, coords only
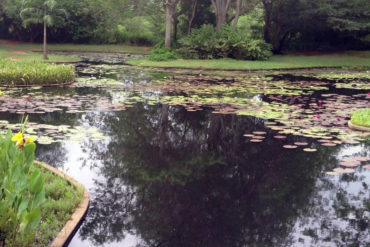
(287, 24)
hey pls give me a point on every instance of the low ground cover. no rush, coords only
(13, 73)
(361, 117)
(347, 59)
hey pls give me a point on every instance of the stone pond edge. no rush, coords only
(358, 127)
(72, 224)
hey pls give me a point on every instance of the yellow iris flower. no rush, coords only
(18, 137)
(30, 140)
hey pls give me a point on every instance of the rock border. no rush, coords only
(358, 127)
(66, 234)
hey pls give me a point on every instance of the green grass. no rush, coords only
(29, 47)
(32, 52)
(344, 59)
(13, 73)
(21, 53)
(62, 199)
(361, 117)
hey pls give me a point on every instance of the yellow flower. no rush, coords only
(18, 137)
(1, 93)
(30, 140)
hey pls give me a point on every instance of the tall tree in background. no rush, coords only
(170, 11)
(192, 17)
(221, 7)
(41, 12)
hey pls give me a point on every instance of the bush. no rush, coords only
(206, 43)
(21, 189)
(162, 54)
(13, 73)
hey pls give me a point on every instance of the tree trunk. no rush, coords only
(175, 23)
(170, 10)
(221, 7)
(267, 27)
(237, 14)
(193, 12)
(45, 40)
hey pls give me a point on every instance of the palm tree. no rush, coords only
(41, 12)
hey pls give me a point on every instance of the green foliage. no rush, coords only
(162, 54)
(139, 31)
(21, 190)
(41, 11)
(206, 43)
(14, 73)
(361, 117)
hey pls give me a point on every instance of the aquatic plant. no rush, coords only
(361, 117)
(22, 188)
(15, 73)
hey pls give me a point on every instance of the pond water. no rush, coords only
(190, 158)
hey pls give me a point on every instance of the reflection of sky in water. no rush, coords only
(324, 201)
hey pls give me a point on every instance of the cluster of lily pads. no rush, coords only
(298, 108)
(349, 163)
(46, 134)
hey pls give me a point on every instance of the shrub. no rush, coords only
(13, 73)
(206, 43)
(21, 189)
(361, 117)
(162, 54)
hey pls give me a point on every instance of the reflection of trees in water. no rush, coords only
(177, 178)
(338, 212)
(54, 154)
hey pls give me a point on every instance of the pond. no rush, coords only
(195, 158)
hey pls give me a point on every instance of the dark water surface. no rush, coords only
(166, 176)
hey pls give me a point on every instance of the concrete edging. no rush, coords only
(68, 230)
(358, 127)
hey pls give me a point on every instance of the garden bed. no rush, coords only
(21, 73)
(63, 199)
(79, 212)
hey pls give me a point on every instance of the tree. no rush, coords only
(192, 17)
(170, 12)
(221, 7)
(41, 12)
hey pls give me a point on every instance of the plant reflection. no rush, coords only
(178, 178)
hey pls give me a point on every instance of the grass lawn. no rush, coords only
(26, 51)
(343, 59)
